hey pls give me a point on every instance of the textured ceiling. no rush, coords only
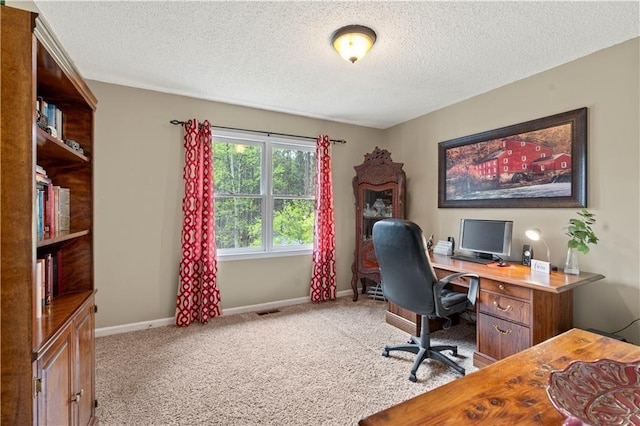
(278, 56)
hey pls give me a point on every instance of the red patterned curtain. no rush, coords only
(323, 280)
(198, 295)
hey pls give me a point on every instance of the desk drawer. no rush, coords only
(505, 289)
(498, 338)
(505, 307)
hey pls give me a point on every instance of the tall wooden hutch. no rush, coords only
(379, 189)
(48, 361)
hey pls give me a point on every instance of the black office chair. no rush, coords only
(409, 281)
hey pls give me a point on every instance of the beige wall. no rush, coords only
(607, 83)
(138, 196)
(138, 188)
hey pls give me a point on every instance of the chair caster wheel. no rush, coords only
(413, 378)
(385, 353)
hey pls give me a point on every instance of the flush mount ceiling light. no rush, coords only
(353, 41)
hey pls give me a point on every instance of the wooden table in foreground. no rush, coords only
(511, 391)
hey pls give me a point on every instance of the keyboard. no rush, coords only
(472, 259)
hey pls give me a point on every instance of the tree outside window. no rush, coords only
(264, 195)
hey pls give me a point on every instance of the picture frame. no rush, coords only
(536, 164)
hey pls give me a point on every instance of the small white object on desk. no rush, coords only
(540, 266)
(444, 247)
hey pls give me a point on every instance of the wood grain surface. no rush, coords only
(509, 392)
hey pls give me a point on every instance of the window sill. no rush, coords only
(263, 255)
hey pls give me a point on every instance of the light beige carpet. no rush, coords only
(311, 364)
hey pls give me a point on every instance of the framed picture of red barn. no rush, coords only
(539, 163)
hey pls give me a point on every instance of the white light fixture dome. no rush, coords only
(353, 41)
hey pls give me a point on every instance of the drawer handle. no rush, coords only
(501, 286)
(501, 331)
(500, 308)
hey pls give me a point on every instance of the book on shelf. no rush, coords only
(40, 210)
(40, 178)
(41, 170)
(54, 118)
(48, 280)
(53, 210)
(57, 273)
(51, 271)
(64, 209)
(39, 287)
(50, 211)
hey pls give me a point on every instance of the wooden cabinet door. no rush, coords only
(55, 370)
(84, 364)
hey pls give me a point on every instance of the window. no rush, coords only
(264, 196)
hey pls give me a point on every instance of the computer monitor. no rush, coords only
(486, 238)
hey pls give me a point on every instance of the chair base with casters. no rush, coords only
(421, 346)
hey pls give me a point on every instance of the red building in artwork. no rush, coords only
(519, 159)
(556, 162)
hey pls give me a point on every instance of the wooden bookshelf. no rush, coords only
(48, 362)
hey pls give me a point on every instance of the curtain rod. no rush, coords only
(182, 123)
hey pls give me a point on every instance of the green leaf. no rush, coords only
(580, 231)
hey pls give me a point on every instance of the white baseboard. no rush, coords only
(117, 329)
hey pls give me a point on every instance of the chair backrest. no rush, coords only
(407, 274)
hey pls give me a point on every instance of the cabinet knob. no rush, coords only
(77, 396)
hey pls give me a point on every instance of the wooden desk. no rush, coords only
(516, 308)
(509, 392)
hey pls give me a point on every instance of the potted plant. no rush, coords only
(581, 234)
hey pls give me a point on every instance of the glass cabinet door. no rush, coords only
(377, 204)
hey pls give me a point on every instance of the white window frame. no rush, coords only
(267, 143)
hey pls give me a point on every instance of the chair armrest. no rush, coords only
(474, 284)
